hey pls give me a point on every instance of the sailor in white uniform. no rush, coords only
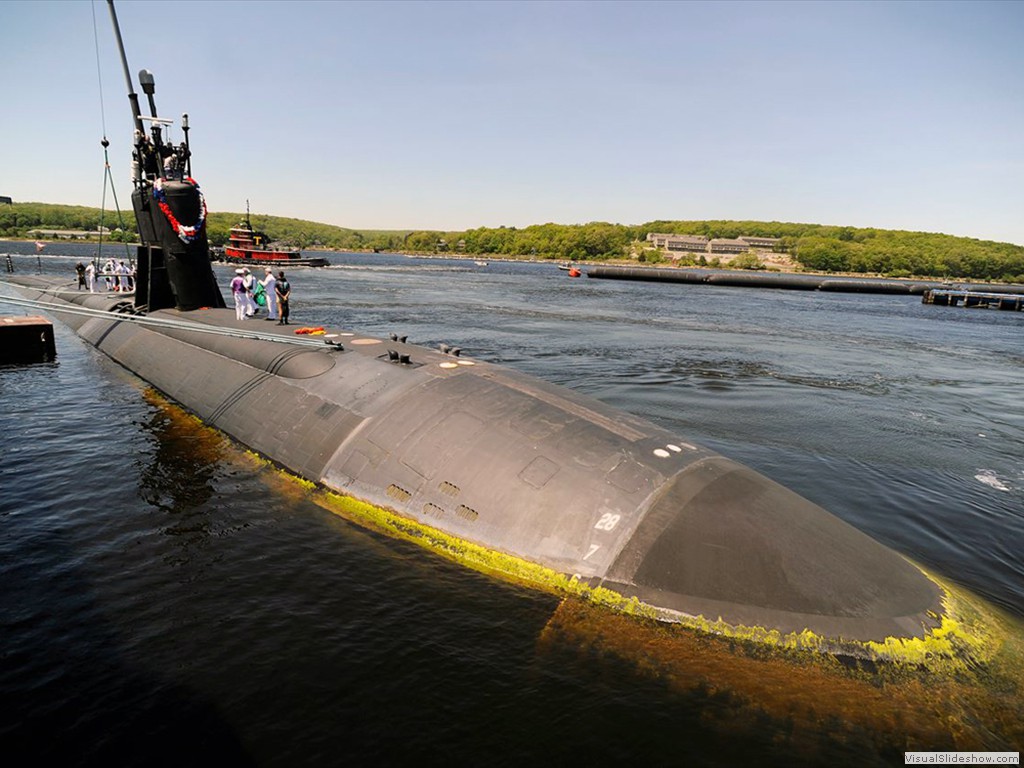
(269, 283)
(250, 284)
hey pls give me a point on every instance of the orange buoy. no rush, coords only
(574, 272)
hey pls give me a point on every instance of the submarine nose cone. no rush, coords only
(723, 541)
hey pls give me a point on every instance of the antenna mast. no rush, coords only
(132, 96)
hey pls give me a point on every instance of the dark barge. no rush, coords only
(975, 299)
(790, 281)
(26, 340)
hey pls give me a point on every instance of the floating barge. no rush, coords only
(788, 281)
(974, 299)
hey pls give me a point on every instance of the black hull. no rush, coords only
(533, 473)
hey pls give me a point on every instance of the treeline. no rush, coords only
(18, 220)
(565, 242)
(903, 254)
(298, 233)
(815, 247)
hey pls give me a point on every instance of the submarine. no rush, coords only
(556, 488)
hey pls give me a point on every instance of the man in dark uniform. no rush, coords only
(284, 292)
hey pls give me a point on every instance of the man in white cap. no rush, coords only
(269, 283)
(238, 292)
(250, 284)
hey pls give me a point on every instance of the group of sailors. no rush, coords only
(115, 276)
(250, 294)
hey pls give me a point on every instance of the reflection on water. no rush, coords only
(180, 450)
(805, 708)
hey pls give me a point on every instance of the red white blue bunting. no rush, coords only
(183, 231)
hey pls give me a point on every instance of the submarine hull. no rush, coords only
(527, 469)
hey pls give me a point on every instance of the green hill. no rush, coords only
(18, 220)
(814, 247)
(305, 234)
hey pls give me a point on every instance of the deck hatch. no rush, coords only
(538, 472)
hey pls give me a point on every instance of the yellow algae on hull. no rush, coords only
(960, 686)
(967, 636)
(817, 707)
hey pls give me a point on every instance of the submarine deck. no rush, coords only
(522, 467)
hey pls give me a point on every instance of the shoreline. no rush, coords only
(622, 263)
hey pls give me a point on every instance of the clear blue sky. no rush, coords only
(393, 115)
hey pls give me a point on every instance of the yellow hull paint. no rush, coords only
(961, 686)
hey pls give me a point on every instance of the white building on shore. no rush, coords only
(678, 244)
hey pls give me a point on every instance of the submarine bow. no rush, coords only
(722, 541)
(529, 469)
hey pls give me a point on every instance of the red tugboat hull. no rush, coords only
(272, 258)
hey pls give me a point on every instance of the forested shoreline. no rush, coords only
(813, 247)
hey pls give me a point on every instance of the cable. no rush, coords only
(99, 74)
(179, 325)
(106, 157)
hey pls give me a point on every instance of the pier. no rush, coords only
(797, 281)
(26, 340)
(974, 299)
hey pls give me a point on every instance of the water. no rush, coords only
(165, 600)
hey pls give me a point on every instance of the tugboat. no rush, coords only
(247, 246)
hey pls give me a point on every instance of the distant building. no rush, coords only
(725, 245)
(68, 234)
(6, 200)
(700, 244)
(769, 243)
(684, 243)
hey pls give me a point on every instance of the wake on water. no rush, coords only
(989, 478)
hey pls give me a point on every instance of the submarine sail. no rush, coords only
(174, 258)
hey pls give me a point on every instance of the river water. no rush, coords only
(165, 600)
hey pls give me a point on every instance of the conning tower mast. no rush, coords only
(174, 258)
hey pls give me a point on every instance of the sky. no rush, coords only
(456, 115)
